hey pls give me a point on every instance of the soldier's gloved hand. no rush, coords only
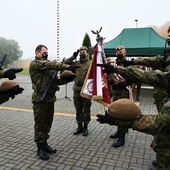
(106, 119)
(75, 54)
(10, 73)
(125, 63)
(15, 91)
(129, 82)
(73, 68)
(108, 68)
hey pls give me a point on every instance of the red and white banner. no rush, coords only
(95, 85)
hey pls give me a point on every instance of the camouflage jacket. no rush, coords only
(117, 85)
(156, 125)
(81, 73)
(158, 62)
(41, 71)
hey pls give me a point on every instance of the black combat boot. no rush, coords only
(85, 130)
(115, 135)
(120, 141)
(41, 151)
(154, 165)
(79, 129)
(48, 148)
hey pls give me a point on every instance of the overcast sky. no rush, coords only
(34, 22)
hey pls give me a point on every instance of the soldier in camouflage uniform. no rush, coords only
(156, 125)
(41, 71)
(119, 90)
(158, 62)
(136, 87)
(82, 105)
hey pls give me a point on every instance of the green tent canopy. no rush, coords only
(138, 42)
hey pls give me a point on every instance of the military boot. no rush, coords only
(41, 151)
(79, 129)
(115, 135)
(120, 141)
(85, 130)
(49, 149)
(154, 165)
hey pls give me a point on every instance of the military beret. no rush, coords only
(67, 73)
(124, 109)
(8, 85)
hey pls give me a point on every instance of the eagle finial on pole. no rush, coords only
(98, 37)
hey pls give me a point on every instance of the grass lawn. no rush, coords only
(25, 71)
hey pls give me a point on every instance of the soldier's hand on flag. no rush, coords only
(10, 73)
(108, 68)
(106, 119)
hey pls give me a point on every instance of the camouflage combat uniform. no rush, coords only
(117, 87)
(158, 62)
(82, 105)
(156, 125)
(41, 71)
(136, 87)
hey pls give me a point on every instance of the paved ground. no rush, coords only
(94, 152)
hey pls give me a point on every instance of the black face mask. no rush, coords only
(45, 56)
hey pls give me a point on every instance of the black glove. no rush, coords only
(15, 91)
(73, 68)
(125, 63)
(75, 54)
(106, 119)
(129, 82)
(108, 68)
(10, 73)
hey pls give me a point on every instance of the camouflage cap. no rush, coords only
(119, 47)
(165, 112)
(8, 85)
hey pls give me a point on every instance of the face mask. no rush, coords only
(45, 56)
(82, 56)
(120, 56)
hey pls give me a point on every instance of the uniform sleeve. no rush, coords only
(154, 77)
(69, 60)
(149, 124)
(154, 62)
(47, 65)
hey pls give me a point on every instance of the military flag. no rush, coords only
(95, 85)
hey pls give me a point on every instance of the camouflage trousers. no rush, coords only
(163, 162)
(43, 117)
(82, 106)
(136, 89)
(159, 94)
